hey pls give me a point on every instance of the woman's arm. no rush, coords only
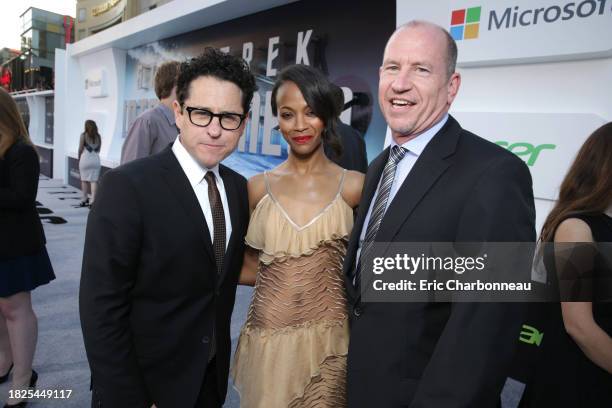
(248, 274)
(81, 145)
(578, 319)
(24, 169)
(594, 342)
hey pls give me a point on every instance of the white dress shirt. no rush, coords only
(415, 147)
(195, 173)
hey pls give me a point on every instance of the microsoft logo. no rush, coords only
(465, 23)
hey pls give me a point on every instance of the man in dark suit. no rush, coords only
(163, 251)
(436, 183)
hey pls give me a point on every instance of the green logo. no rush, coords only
(526, 151)
(531, 335)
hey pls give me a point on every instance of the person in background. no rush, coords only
(89, 161)
(155, 128)
(24, 262)
(353, 156)
(575, 368)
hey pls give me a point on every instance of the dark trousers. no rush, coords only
(209, 393)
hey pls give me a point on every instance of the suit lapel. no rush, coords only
(233, 201)
(178, 183)
(370, 186)
(430, 165)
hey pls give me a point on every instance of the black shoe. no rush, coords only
(84, 203)
(23, 404)
(6, 376)
(33, 379)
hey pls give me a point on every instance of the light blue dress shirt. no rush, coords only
(415, 147)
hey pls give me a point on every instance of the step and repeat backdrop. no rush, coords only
(344, 39)
(535, 75)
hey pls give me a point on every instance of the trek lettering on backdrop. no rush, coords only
(301, 52)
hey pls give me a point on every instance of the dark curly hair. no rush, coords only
(320, 96)
(217, 64)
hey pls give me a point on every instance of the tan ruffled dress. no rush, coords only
(292, 350)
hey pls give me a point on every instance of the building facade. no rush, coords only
(7, 54)
(93, 16)
(6, 74)
(42, 33)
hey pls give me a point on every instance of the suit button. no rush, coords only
(357, 311)
(205, 339)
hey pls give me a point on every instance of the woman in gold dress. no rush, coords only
(292, 349)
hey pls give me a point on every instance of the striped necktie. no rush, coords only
(380, 206)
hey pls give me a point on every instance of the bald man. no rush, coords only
(436, 182)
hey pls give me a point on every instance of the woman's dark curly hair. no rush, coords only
(217, 64)
(319, 95)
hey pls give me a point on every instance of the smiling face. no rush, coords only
(414, 90)
(211, 144)
(300, 127)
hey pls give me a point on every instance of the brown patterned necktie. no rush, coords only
(218, 216)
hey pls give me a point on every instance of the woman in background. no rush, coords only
(89, 161)
(576, 365)
(24, 262)
(292, 350)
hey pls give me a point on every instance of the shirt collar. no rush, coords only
(418, 144)
(168, 113)
(195, 173)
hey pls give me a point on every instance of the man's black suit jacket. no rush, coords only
(150, 296)
(430, 355)
(21, 232)
(354, 156)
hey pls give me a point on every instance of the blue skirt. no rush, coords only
(25, 273)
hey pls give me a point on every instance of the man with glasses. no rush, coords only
(163, 251)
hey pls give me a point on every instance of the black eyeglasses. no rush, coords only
(203, 117)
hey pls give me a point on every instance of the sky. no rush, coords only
(10, 26)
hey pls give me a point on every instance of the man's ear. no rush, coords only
(178, 114)
(243, 124)
(453, 86)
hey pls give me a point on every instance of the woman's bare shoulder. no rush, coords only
(353, 187)
(256, 187)
(573, 230)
